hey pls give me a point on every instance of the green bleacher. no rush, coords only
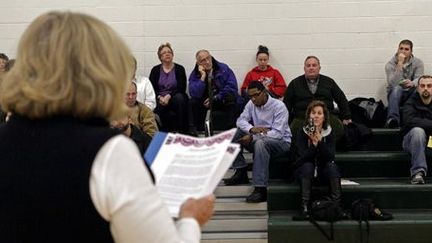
(382, 170)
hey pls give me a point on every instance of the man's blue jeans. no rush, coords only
(414, 142)
(396, 96)
(261, 147)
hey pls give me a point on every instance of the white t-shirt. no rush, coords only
(123, 193)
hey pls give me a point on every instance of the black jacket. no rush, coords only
(298, 96)
(180, 74)
(417, 114)
(305, 152)
(44, 180)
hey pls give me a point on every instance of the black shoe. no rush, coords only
(258, 195)
(240, 177)
(392, 123)
(335, 189)
(304, 214)
(379, 214)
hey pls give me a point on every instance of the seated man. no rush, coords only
(212, 85)
(402, 72)
(315, 86)
(417, 129)
(145, 93)
(263, 130)
(140, 114)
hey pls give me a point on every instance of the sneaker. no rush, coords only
(258, 195)
(418, 179)
(392, 123)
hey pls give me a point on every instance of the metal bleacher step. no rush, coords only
(236, 221)
(235, 237)
(238, 204)
(233, 191)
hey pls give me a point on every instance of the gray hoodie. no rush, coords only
(411, 70)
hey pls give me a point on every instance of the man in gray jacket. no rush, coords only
(402, 72)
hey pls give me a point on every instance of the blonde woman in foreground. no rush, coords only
(65, 175)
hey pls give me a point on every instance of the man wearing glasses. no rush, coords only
(402, 72)
(212, 85)
(417, 129)
(263, 130)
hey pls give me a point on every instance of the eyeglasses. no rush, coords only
(254, 95)
(165, 52)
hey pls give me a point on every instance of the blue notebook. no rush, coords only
(154, 147)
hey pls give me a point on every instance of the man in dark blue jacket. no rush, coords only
(212, 85)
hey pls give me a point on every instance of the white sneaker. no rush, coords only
(418, 179)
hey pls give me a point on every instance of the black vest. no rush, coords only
(45, 168)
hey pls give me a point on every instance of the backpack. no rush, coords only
(364, 210)
(368, 111)
(325, 210)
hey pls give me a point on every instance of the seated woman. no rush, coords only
(169, 83)
(315, 153)
(145, 93)
(266, 74)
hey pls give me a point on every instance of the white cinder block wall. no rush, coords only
(353, 39)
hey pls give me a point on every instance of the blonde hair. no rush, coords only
(68, 64)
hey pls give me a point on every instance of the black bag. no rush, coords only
(355, 136)
(364, 210)
(325, 210)
(368, 111)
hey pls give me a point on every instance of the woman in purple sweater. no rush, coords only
(169, 83)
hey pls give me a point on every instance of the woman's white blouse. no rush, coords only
(123, 193)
